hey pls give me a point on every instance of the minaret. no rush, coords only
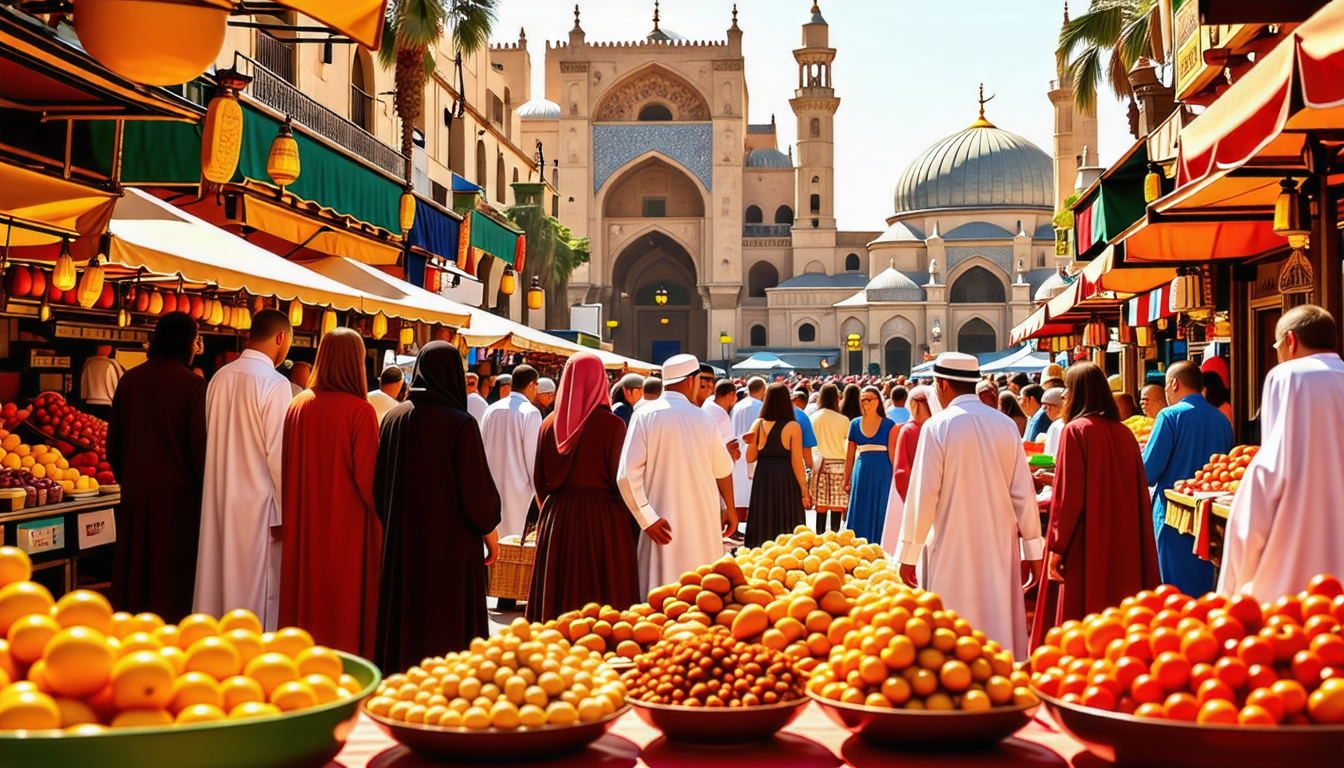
(1073, 130)
(815, 103)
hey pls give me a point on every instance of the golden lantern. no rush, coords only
(508, 282)
(242, 318)
(296, 313)
(63, 276)
(90, 287)
(407, 335)
(1143, 336)
(724, 338)
(535, 295)
(216, 312)
(222, 136)
(663, 321)
(406, 211)
(1187, 291)
(379, 326)
(1152, 183)
(123, 317)
(44, 311)
(155, 303)
(328, 321)
(1124, 333)
(282, 164)
(612, 324)
(853, 342)
(1292, 214)
(154, 42)
(660, 296)
(1095, 333)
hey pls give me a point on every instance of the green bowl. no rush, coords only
(1041, 461)
(298, 740)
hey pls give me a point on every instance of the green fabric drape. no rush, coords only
(492, 237)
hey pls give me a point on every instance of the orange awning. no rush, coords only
(359, 20)
(1178, 241)
(1104, 273)
(53, 207)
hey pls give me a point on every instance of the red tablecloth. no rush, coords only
(812, 741)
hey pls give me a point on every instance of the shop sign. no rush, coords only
(41, 535)
(1190, 40)
(97, 528)
(1266, 280)
(101, 333)
(42, 358)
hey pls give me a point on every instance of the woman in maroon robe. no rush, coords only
(1101, 546)
(439, 509)
(156, 446)
(332, 538)
(584, 550)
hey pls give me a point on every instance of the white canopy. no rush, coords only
(1024, 360)
(762, 361)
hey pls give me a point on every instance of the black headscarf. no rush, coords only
(438, 376)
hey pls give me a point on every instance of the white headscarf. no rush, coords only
(930, 397)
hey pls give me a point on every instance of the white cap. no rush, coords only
(957, 366)
(678, 368)
(545, 385)
(1053, 396)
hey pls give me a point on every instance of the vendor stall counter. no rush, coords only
(69, 543)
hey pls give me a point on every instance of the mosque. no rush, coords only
(707, 238)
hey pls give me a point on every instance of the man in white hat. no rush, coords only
(545, 398)
(1052, 402)
(972, 508)
(672, 462)
(1052, 376)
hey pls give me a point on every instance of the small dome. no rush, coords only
(980, 167)
(768, 158)
(900, 232)
(1052, 287)
(539, 109)
(891, 285)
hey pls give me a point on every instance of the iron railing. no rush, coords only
(276, 55)
(361, 108)
(767, 230)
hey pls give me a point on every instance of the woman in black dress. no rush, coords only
(779, 492)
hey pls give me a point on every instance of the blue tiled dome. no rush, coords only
(980, 167)
(768, 158)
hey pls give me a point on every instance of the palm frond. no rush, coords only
(1086, 73)
(420, 22)
(471, 22)
(1117, 75)
(387, 48)
(1099, 27)
(1135, 40)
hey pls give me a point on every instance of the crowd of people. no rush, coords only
(371, 517)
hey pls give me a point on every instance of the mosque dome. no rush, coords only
(892, 285)
(1052, 287)
(539, 109)
(981, 167)
(768, 158)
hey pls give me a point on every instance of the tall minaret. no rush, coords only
(815, 103)
(1073, 131)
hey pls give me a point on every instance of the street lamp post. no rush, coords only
(724, 341)
(611, 329)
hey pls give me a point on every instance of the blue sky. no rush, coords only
(906, 71)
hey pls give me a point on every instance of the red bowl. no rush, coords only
(719, 726)
(924, 729)
(1130, 740)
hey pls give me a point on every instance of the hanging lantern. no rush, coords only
(152, 42)
(535, 295)
(123, 317)
(406, 211)
(1095, 334)
(242, 318)
(1296, 275)
(1152, 183)
(508, 282)
(660, 296)
(90, 287)
(1292, 214)
(222, 136)
(328, 321)
(1187, 291)
(44, 311)
(216, 312)
(296, 313)
(407, 335)
(156, 302)
(1124, 333)
(63, 276)
(379, 326)
(1143, 336)
(282, 164)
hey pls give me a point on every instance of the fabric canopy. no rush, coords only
(1023, 359)
(492, 237)
(359, 20)
(1104, 273)
(396, 298)
(1176, 241)
(58, 206)
(296, 228)
(762, 361)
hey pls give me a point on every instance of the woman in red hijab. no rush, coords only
(584, 550)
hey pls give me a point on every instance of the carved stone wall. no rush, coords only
(622, 104)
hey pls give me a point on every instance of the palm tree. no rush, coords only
(1120, 27)
(410, 31)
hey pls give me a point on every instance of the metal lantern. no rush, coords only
(1187, 291)
(853, 342)
(282, 164)
(379, 326)
(222, 135)
(63, 276)
(90, 287)
(535, 295)
(1143, 336)
(407, 335)
(724, 338)
(296, 313)
(406, 211)
(1152, 183)
(936, 332)
(1095, 334)
(508, 282)
(1292, 214)
(660, 296)
(1296, 275)
(328, 321)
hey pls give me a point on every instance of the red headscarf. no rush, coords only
(583, 389)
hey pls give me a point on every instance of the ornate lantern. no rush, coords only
(1292, 214)
(1187, 291)
(156, 302)
(90, 287)
(328, 321)
(1095, 333)
(1152, 183)
(853, 342)
(296, 313)
(1143, 336)
(63, 276)
(222, 136)
(535, 295)
(406, 211)
(242, 317)
(508, 282)
(407, 334)
(660, 296)
(282, 164)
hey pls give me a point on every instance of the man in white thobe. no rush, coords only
(238, 558)
(674, 469)
(1285, 525)
(722, 396)
(972, 508)
(510, 430)
(744, 415)
(476, 405)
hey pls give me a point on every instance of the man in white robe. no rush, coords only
(972, 508)
(674, 469)
(476, 405)
(510, 430)
(238, 558)
(744, 415)
(1285, 525)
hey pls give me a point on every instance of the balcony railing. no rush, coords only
(767, 230)
(361, 108)
(270, 89)
(276, 55)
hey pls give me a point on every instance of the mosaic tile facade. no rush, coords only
(690, 145)
(1002, 255)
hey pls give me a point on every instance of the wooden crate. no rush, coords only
(511, 574)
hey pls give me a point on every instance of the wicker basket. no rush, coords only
(511, 574)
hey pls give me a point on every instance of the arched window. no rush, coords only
(361, 102)
(500, 184)
(977, 285)
(753, 215)
(515, 175)
(480, 165)
(816, 127)
(783, 215)
(896, 355)
(816, 203)
(758, 338)
(762, 275)
(654, 112)
(807, 332)
(976, 337)
(852, 262)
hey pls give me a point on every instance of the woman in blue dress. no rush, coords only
(868, 465)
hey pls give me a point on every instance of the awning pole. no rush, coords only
(1328, 291)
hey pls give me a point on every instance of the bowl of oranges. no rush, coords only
(1167, 678)
(81, 684)
(911, 674)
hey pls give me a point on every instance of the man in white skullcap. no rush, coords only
(971, 508)
(545, 398)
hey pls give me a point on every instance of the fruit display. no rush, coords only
(1210, 660)
(11, 415)
(525, 676)
(74, 664)
(713, 670)
(1141, 426)
(1222, 473)
(906, 651)
(54, 417)
(45, 468)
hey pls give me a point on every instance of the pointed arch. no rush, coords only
(977, 336)
(651, 83)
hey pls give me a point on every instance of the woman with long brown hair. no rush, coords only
(1101, 546)
(332, 537)
(779, 493)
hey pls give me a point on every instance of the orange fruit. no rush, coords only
(14, 566)
(30, 710)
(123, 624)
(37, 676)
(240, 618)
(199, 713)
(7, 663)
(320, 660)
(29, 634)
(75, 712)
(142, 718)
(137, 641)
(247, 643)
(293, 695)
(253, 709)
(143, 680)
(194, 688)
(176, 656)
(215, 656)
(168, 635)
(195, 627)
(323, 687)
(17, 687)
(270, 670)
(1325, 705)
(239, 689)
(288, 641)
(20, 599)
(149, 621)
(84, 608)
(79, 662)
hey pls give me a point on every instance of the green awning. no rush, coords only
(492, 237)
(160, 152)
(1113, 205)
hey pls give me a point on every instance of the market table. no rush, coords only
(812, 741)
(1181, 511)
